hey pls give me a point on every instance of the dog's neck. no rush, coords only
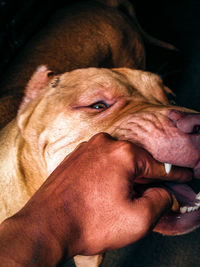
(16, 184)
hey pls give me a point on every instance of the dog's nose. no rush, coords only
(186, 122)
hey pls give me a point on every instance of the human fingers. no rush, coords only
(141, 216)
(149, 170)
(144, 167)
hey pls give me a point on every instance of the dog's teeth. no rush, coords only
(195, 208)
(197, 204)
(189, 209)
(198, 196)
(192, 208)
(168, 167)
(183, 210)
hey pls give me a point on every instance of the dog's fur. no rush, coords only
(86, 34)
(133, 106)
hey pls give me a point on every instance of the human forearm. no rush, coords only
(87, 205)
(23, 243)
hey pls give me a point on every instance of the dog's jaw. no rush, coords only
(56, 120)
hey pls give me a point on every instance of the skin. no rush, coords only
(59, 112)
(39, 144)
(83, 34)
(110, 216)
(86, 34)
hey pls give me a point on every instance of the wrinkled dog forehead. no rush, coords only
(121, 81)
(95, 82)
(85, 78)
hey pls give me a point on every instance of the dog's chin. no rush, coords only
(187, 217)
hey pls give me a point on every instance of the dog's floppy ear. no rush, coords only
(37, 82)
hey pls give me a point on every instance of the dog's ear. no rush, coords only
(37, 82)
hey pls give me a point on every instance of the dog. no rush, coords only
(127, 103)
(85, 34)
(91, 34)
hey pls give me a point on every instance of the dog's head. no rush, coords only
(59, 112)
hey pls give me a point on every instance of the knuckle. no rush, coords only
(100, 136)
(125, 146)
(81, 144)
(123, 151)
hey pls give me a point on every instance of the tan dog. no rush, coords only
(95, 33)
(103, 33)
(57, 113)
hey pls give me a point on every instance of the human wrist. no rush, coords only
(26, 243)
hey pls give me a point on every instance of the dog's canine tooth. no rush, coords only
(197, 204)
(189, 209)
(198, 196)
(195, 208)
(168, 167)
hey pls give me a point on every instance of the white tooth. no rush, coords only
(168, 167)
(198, 196)
(183, 210)
(197, 204)
(189, 209)
(195, 208)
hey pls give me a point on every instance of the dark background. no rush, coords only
(174, 21)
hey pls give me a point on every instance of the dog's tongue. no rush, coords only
(184, 194)
(187, 218)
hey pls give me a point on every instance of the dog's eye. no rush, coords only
(99, 105)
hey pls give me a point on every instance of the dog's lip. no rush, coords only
(179, 222)
(176, 222)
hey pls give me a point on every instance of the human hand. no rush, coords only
(90, 203)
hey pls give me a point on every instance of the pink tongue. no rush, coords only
(183, 193)
(176, 223)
